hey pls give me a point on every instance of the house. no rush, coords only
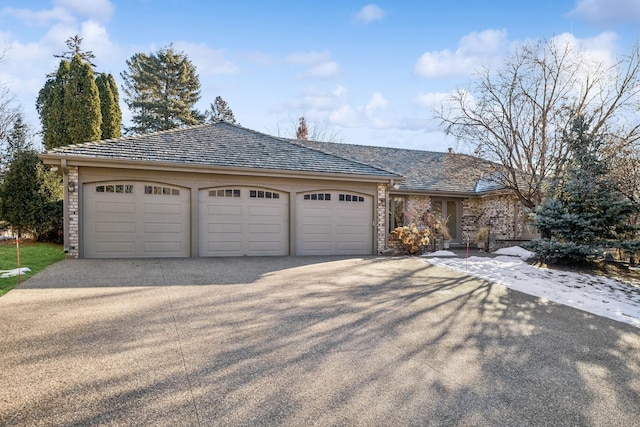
(456, 187)
(223, 190)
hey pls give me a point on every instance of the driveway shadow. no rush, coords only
(367, 341)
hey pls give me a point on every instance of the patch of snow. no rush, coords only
(11, 273)
(440, 254)
(601, 296)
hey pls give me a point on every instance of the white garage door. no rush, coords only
(334, 223)
(237, 221)
(136, 219)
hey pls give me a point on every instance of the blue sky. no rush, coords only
(365, 72)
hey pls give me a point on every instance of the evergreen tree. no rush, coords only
(82, 103)
(50, 106)
(220, 112)
(109, 107)
(74, 44)
(30, 194)
(161, 90)
(583, 211)
(70, 104)
(17, 139)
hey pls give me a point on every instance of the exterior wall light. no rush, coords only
(71, 186)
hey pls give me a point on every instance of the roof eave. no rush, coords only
(56, 160)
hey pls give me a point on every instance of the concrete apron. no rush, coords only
(300, 341)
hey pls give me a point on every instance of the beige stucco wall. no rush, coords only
(197, 181)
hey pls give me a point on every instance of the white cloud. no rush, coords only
(370, 13)
(376, 102)
(324, 70)
(207, 60)
(96, 10)
(431, 100)
(606, 12)
(64, 11)
(474, 50)
(319, 64)
(308, 58)
(38, 18)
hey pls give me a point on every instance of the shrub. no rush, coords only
(412, 238)
(552, 251)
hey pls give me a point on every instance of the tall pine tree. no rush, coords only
(50, 106)
(82, 103)
(109, 107)
(221, 112)
(70, 104)
(161, 90)
(583, 211)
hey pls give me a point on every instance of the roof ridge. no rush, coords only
(298, 143)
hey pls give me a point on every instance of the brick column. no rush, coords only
(381, 217)
(73, 237)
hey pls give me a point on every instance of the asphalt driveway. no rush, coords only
(303, 341)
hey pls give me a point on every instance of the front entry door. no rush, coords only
(449, 211)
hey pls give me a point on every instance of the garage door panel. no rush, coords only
(258, 229)
(163, 209)
(216, 210)
(163, 227)
(224, 248)
(264, 211)
(351, 246)
(161, 247)
(114, 227)
(114, 207)
(224, 228)
(356, 229)
(136, 219)
(334, 222)
(116, 247)
(243, 221)
(319, 230)
(264, 247)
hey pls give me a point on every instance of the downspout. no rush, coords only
(65, 203)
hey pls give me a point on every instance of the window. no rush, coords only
(161, 191)
(227, 192)
(318, 196)
(350, 198)
(259, 194)
(396, 212)
(115, 188)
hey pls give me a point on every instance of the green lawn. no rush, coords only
(36, 256)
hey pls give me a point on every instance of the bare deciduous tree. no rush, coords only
(516, 115)
(9, 112)
(303, 131)
(315, 131)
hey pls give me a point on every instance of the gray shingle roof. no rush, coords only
(223, 145)
(423, 170)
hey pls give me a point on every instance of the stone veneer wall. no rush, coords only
(502, 214)
(381, 217)
(415, 208)
(72, 210)
(505, 213)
